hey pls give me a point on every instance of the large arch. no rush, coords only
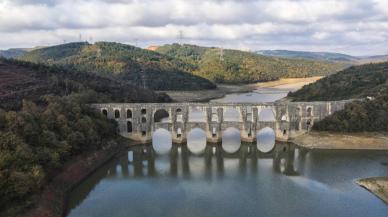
(231, 114)
(161, 141)
(231, 140)
(196, 140)
(266, 139)
(267, 115)
(197, 115)
(161, 115)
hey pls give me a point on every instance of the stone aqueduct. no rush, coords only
(138, 121)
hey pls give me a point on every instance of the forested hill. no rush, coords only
(45, 122)
(233, 66)
(369, 114)
(24, 80)
(354, 82)
(138, 66)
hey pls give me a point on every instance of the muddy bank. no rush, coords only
(222, 89)
(326, 140)
(377, 185)
(52, 201)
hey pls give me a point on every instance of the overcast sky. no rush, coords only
(358, 27)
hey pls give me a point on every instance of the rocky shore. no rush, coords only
(377, 185)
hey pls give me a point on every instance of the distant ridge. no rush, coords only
(325, 56)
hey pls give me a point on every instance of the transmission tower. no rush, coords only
(221, 54)
(180, 37)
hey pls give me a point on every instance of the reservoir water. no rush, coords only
(232, 179)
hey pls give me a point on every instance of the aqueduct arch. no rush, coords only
(138, 121)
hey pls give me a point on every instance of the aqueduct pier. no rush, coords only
(138, 121)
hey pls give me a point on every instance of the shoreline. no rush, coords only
(223, 89)
(343, 141)
(377, 186)
(52, 201)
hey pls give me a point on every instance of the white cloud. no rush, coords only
(258, 24)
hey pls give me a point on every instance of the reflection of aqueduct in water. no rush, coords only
(138, 121)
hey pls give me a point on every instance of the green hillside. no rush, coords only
(138, 66)
(243, 67)
(25, 80)
(354, 82)
(45, 122)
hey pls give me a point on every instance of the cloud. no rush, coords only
(350, 25)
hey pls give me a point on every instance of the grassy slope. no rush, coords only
(138, 66)
(244, 67)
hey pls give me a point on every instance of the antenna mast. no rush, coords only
(221, 54)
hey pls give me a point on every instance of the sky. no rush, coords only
(356, 27)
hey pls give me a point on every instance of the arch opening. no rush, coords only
(162, 141)
(197, 115)
(143, 119)
(129, 127)
(161, 116)
(143, 111)
(117, 113)
(105, 112)
(231, 114)
(231, 140)
(267, 115)
(129, 113)
(266, 139)
(309, 112)
(196, 140)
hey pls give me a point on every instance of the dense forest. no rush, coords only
(356, 82)
(128, 63)
(45, 122)
(233, 66)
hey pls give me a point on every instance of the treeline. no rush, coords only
(233, 66)
(354, 82)
(37, 140)
(123, 62)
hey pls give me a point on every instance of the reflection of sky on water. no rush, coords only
(196, 140)
(217, 184)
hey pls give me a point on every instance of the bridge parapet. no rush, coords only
(138, 121)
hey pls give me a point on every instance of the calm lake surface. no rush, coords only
(232, 179)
